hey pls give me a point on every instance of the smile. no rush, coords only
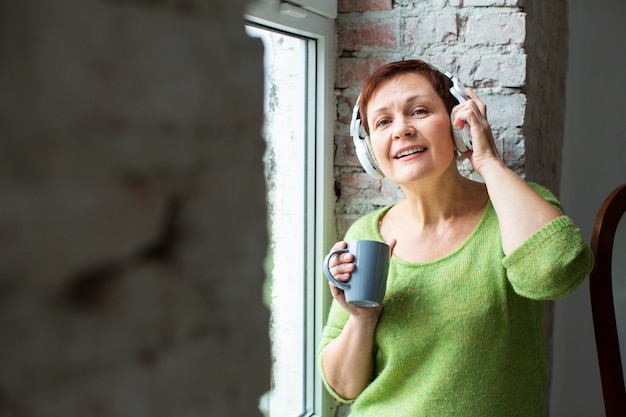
(409, 152)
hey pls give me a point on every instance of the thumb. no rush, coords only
(392, 245)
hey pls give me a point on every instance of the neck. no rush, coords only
(432, 201)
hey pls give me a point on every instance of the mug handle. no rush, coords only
(343, 285)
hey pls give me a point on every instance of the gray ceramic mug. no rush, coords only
(367, 283)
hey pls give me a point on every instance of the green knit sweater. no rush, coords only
(463, 335)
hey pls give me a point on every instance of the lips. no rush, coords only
(409, 151)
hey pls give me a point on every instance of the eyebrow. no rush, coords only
(408, 100)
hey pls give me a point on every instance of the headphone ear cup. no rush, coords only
(462, 138)
(362, 145)
(459, 142)
(364, 151)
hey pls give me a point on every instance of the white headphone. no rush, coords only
(363, 146)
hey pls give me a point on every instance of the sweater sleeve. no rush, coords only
(552, 262)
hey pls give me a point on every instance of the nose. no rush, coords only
(402, 128)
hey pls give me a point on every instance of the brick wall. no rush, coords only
(487, 44)
(132, 210)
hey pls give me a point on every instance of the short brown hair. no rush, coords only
(437, 79)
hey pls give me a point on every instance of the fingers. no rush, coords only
(482, 107)
(472, 111)
(339, 245)
(341, 265)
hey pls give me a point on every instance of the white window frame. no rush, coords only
(320, 224)
(326, 8)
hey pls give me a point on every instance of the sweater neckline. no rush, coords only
(378, 217)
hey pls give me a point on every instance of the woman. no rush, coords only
(460, 332)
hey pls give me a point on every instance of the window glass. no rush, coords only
(286, 174)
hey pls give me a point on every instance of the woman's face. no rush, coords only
(410, 129)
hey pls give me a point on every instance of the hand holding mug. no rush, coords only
(360, 272)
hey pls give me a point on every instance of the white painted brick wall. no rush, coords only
(495, 29)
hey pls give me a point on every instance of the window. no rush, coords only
(298, 129)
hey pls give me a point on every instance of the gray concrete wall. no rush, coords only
(546, 48)
(132, 210)
(594, 155)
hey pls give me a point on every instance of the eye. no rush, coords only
(383, 122)
(419, 111)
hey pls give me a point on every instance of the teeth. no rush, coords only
(410, 152)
